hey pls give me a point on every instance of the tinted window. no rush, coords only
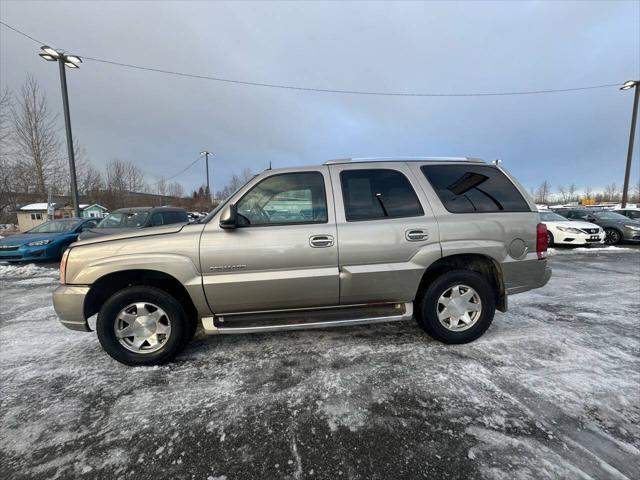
(474, 189)
(174, 217)
(157, 219)
(285, 198)
(374, 194)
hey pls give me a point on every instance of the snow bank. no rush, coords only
(27, 271)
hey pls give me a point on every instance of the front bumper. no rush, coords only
(629, 235)
(27, 254)
(68, 302)
(568, 238)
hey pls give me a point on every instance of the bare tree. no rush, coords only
(611, 192)
(235, 183)
(175, 189)
(636, 193)
(124, 176)
(571, 190)
(38, 160)
(542, 194)
(6, 167)
(563, 193)
(588, 191)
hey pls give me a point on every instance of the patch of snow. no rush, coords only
(607, 249)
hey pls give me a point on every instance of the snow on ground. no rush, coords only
(552, 390)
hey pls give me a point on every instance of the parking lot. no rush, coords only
(552, 390)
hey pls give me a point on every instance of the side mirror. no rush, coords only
(229, 217)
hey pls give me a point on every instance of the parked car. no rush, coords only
(563, 231)
(130, 219)
(632, 213)
(47, 241)
(617, 228)
(444, 241)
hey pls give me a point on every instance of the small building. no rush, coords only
(93, 211)
(34, 214)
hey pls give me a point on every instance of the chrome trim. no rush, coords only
(211, 329)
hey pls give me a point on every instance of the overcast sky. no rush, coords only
(161, 122)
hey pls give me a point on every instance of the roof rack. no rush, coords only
(405, 159)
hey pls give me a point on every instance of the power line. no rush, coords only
(177, 174)
(321, 90)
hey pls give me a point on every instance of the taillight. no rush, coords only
(63, 266)
(542, 241)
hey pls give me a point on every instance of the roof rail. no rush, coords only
(405, 159)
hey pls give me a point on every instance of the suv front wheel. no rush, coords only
(142, 326)
(457, 307)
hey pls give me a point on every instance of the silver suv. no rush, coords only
(345, 243)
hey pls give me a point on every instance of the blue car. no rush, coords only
(45, 242)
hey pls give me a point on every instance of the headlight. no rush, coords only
(569, 230)
(632, 227)
(38, 243)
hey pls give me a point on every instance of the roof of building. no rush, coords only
(36, 206)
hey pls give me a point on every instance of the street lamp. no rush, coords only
(634, 117)
(70, 61)
(206, 154)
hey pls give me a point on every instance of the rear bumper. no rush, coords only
(68, 302)
(524, 275)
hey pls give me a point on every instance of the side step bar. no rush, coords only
(221, 324)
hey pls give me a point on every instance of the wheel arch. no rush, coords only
(475, 262)
(107, 285)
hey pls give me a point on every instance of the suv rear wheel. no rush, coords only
(142, 326)
(457, 307)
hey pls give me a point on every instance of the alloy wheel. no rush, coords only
(459, 308)
(611, 236)
(142, 327)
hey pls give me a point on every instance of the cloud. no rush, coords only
(161, 122)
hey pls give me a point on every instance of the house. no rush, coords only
(34, 214)
(93, 211)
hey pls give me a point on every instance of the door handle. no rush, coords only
(321, 241)
(416, 235)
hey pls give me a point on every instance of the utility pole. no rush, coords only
(67, 124)
(634, 117)
(70, 61)
(206, 154)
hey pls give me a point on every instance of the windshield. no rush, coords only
(55, 226)
(609, 216)
(552, 217)
(123, 220)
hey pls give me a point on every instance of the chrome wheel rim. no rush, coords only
(142, 327)
(459, 308)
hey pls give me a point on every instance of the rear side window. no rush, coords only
(174, 217)
(376, 194)
(474, 189)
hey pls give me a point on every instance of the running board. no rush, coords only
(298, 319)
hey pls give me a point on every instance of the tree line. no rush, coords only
(34, 162)
(545, 194)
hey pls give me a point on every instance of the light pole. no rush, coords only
(206, 154)
(634, 118)
(70, 61)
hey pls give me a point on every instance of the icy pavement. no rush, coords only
(552, 390)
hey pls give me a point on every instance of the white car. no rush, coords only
(570, 232)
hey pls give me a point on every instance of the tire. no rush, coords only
(549, 238)
(174, 324)
(612, 236)
(479, 322)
